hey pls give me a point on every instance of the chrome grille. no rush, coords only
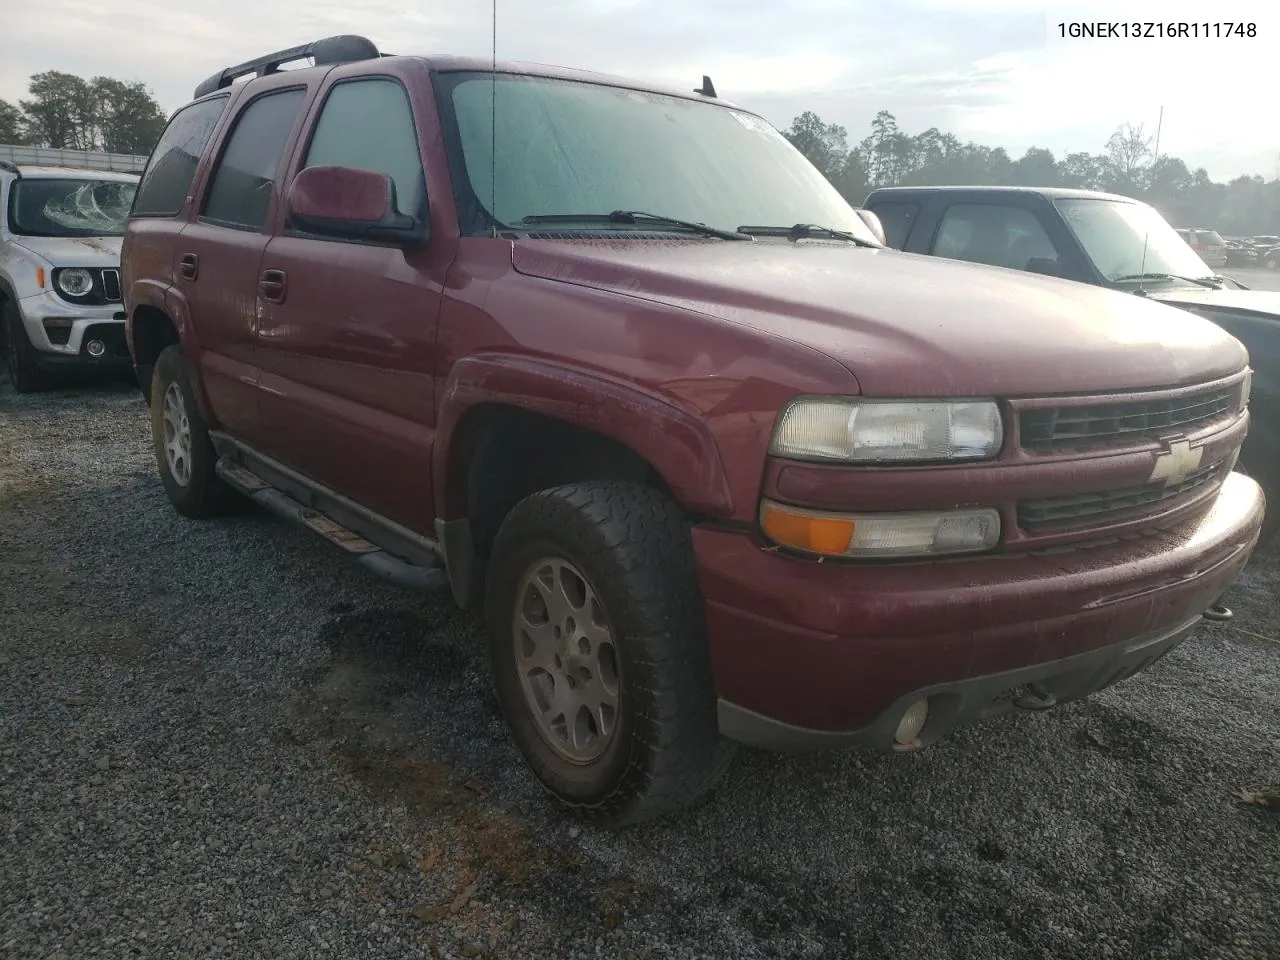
(1076, 508)
(1067, 428)
(111, 285)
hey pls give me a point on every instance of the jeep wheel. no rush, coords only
(184, 453)
(19, 355)
(598, 646)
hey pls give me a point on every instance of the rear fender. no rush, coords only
(171, 301)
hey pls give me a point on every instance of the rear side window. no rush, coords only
(167, 178)
(240, 194)
(1002, 236)
(367, 124)
(896, 217)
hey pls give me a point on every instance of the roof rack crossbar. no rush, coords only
(347, 48)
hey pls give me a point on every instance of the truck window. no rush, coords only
(246, 171)
(896, 216)
(168, 174)
(571, 147)
(991, 233)
(367, 124)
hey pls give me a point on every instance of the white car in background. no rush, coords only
(60, 303)
(1209, 244)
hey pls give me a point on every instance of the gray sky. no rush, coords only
(987, 70)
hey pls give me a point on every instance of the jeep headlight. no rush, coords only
(855, 430)
(73, 281)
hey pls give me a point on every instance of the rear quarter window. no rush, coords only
(166, 181)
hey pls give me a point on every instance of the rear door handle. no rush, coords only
(272, 285)
(189, 266)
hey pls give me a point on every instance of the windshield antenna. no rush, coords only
(1147, 234)
(493, 126)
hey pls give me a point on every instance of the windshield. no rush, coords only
(1112, 234)
(567, 147)
(70, 208)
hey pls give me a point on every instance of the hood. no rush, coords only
(74, 251)
(907, 324)
(1259, 302)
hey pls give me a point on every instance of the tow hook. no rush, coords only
(1033, 698)
(1218, 613)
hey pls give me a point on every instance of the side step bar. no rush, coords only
(370, 556)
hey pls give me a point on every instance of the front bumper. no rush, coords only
(817, 654)
(104, 324)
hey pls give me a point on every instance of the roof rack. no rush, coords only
(347, 48)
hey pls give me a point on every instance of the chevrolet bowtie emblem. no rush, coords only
(1177, 463)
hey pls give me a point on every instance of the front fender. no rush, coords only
(679, 446)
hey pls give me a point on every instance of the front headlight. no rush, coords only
(880, 431)
(74, 281)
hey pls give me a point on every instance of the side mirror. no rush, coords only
(1044, 265)
(351, 204)
(873, 223)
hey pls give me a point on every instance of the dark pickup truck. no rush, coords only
(617, 366)
(1107, 241)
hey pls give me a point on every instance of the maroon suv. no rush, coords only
(618, 366)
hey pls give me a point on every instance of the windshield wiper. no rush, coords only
(800, 231)
(636, 217)
(1213, 283)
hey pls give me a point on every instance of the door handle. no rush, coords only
(189, 266)
(272, 285)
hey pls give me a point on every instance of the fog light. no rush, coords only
(96, 348)
(912, 723)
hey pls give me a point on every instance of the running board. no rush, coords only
(369, 555)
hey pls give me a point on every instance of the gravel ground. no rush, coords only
(224, 740)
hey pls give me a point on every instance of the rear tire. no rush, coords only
(606, 570)
(184, 453)
(20, 360)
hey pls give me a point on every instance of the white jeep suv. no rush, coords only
(60, 305)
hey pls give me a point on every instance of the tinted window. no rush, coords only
(896, 219)
(167, 177)
(368, 124)
(246, 172)
(990, 233)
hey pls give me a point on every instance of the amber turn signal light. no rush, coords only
(811, 532)
(906, 534)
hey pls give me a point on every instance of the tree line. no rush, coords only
(106, 114)
(72, 113)
(1128, 165)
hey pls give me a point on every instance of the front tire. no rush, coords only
(597, 641)
(184, 453)
(20, 359)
